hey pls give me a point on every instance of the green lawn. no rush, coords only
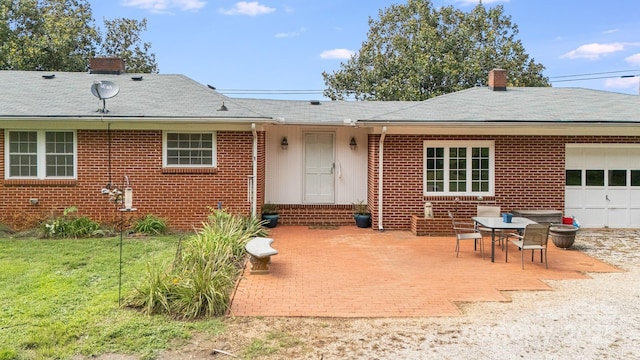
(60, 297)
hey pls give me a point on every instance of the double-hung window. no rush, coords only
(189, 149)
(40, 154)
(465, 168)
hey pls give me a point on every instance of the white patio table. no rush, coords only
(497, 223)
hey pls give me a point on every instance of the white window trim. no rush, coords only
(214, 146)
(458, 144)
(41, 155)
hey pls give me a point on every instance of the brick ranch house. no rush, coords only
(185, 148)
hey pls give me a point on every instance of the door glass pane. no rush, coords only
(617, 178)
(595, 177)
(635, 177)
(573, 177)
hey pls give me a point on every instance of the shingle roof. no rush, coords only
(324, 112)
(27, 94)
(68, 94)
(533, 104)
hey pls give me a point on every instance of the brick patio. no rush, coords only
(353, 272)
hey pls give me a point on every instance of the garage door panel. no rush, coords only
(592, 218)
(593, 158)
(612, 201)
(617, 218)
(634, 198)
(573, 158)
(634, 217)
(594, 198)
(617, 198)
(573, 197)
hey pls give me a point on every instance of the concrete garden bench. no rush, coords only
(261, 251)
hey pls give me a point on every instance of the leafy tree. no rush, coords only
(60, 35)
(415, 52)
(47, 35)
(123, 40)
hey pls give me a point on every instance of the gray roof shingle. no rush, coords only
(525, 104)
(27, 94)
(68, 94)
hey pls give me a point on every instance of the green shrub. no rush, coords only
(151, 225)
(204, 272)
(70, 226)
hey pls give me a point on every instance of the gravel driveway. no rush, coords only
(597, 318)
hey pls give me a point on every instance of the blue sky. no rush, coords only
(269, 45)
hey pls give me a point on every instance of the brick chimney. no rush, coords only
(106, 65)
(498, 80)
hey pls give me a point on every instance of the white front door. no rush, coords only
(603, 185)
(319, 164)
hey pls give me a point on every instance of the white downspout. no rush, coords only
(380, 175)
(254, 175)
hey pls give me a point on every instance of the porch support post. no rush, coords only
(254, 164)
(381, 175)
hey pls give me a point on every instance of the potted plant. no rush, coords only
(270, 215)
(361, 214)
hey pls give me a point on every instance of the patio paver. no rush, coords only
(353, 272)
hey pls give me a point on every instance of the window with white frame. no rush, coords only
(40, 154)
(458, 168)
(187, 149)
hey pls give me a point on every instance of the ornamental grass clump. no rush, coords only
(151, 225)
(202, 276)
(70, 225)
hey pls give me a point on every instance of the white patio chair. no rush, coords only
(466, 231)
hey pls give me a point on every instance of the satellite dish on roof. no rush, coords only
(104, 90)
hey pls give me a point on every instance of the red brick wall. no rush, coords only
(180, 196)
(529, 175)
(315, 215)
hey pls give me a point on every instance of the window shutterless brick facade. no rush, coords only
(529, 174)
(182, 196)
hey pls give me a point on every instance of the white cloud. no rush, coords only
(162, 6)
(337, 54)
(248, 8)
(622, 83)
(594, 51)
(291, 34)
(633, 59)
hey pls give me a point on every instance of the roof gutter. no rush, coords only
(381, 176)
(513, 129)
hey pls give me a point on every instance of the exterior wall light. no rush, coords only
(352, 143)
(284, 143)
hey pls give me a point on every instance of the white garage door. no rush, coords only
(602, 187)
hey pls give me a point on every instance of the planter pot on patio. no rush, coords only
(362, 220)
(271, 220)
(563, 236)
